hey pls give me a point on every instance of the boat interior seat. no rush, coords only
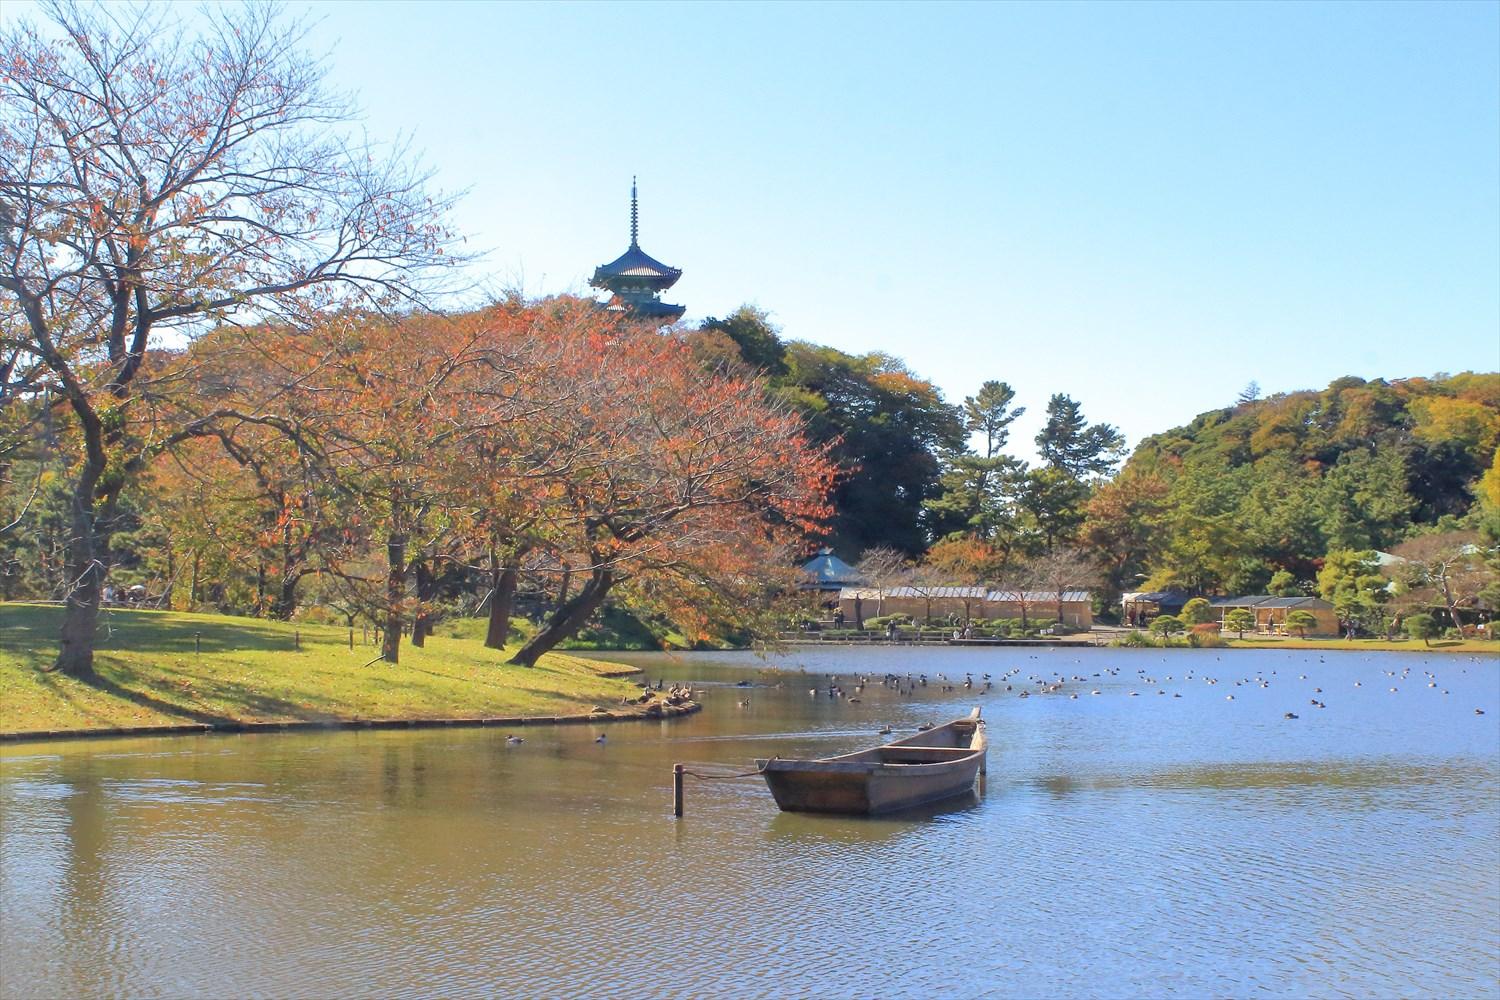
(921, 755)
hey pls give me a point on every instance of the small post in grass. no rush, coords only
(351, 636)
(677, 790)
(297, 640)
(197, 643)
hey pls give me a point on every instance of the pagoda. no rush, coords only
(636, 279)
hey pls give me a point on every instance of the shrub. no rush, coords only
(1132, 640)
(1300, 622)
(1206, 628)
(1165, 625)
(1422, 627)
(1205, 640)
(1239, 620)
(1197, 611)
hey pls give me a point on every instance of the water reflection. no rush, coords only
(872, 829)
(1121, 846)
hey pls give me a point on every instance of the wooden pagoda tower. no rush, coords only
(636, 279)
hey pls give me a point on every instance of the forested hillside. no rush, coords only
(1274, 484)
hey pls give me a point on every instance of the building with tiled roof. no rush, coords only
(1071, 607)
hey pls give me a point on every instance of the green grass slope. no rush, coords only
(163, 668)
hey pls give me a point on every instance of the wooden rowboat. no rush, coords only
(934, 764)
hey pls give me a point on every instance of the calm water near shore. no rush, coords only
(1122, 846)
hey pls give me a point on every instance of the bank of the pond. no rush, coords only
(163, 671)
(1368, 645)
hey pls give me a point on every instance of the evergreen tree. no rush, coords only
(1067, 442)
(759, 342)
(980, 490)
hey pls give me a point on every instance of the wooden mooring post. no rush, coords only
(677, 790)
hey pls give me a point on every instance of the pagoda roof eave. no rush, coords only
(636, 265)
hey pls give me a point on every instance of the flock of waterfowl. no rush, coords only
(1058, 682)
(906, 685)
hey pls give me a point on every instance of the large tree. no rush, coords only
(1069, 443)
(1122, 528)
(684, 483)
(1352, 582)
(886, 428)
(1448, 570)
(155, 180)
(980, 485)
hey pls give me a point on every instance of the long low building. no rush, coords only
(1270, 612)
(1074, 607)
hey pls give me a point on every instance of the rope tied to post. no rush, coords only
(691, 768)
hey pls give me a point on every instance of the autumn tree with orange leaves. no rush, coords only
(152, 181)
(684, 483)
(559, 428)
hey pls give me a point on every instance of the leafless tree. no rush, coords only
(153, 180)
(1446, 569)
(882, 570)
(1064, 568)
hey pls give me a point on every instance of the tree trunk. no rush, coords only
(395, 591)
(421, 626)
(568, 618)
(86, 549)
(285, 601)
(502, 599)
(1452, 607)
(193, 588)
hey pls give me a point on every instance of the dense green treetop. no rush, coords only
(1067, 442)
(1273, 485)
(888, 426)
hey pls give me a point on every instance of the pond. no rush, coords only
(1156, 838)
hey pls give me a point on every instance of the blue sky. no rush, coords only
(1144, 206)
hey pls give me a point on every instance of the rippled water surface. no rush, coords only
(1121, 846)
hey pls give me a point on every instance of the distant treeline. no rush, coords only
(401, 471)
(1262, 489)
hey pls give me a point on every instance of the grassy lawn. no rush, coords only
(1400, 645)
(251, 670)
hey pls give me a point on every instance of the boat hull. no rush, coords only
(874, 791)
(921, 769)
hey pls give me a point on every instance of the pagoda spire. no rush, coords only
(635, 218)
